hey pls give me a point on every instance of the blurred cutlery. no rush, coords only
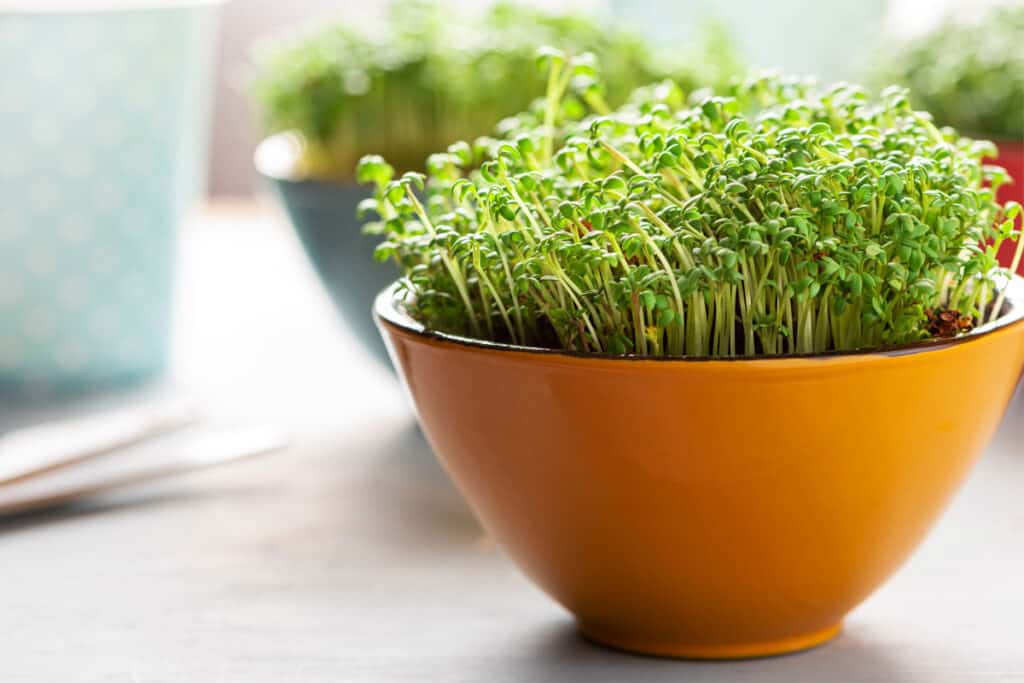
(42, 448)
(192, 450)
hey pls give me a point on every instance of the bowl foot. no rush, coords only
(766, 648)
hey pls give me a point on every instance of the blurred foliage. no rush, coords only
(969, 75)
(430, 78)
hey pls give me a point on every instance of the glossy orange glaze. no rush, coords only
(707, 508)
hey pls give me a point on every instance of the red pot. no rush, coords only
(1011, 157)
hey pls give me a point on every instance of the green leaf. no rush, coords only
(373, 169)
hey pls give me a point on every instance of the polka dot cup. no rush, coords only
(102, 134)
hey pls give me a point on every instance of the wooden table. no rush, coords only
(350, 557)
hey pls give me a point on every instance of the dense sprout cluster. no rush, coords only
(429, 76)
(783, 219)
(968, 74)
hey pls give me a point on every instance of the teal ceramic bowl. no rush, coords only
(103, 117)
(323, 215)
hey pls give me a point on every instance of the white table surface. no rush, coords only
(351, 558)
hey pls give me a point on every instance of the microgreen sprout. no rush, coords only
(782, 219)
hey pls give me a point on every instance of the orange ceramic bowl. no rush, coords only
(708, 508)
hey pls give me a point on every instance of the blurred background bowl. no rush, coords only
(103, 118)
(323, 213)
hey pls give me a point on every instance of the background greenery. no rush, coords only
(968, 75)
(429, 78)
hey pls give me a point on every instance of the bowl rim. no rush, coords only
(386, 311)
(275, 157)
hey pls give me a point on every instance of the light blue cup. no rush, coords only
(103, 122)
